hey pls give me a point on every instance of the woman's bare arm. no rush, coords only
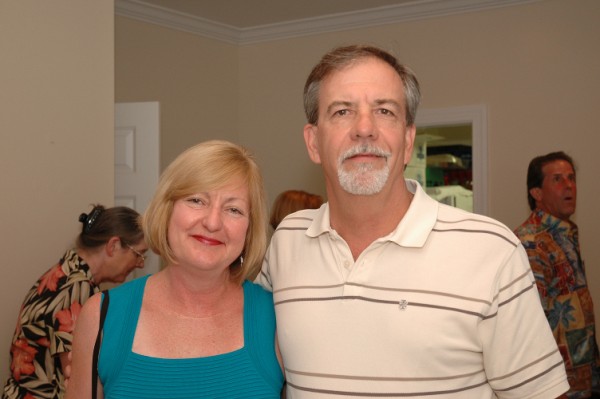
(280, 359)
(84, 337)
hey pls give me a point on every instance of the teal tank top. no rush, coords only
(249, 372)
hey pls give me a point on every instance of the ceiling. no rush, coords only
(244, 14)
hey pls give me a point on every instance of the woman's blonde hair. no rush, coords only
(205, 167)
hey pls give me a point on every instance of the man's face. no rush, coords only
(361, 138)
(558, 194)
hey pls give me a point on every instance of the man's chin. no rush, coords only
(361, 191)
(364, 163)
(362, 186)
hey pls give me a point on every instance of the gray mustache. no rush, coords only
(364, 149)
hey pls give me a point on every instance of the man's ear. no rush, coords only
(536, 193)
(409, 143)
(312, 142)
(112, 245)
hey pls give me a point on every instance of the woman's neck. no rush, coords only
(195, 295)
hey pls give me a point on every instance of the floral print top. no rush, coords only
(44, 329)
(552, 245)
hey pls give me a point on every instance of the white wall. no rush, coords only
(56, 135)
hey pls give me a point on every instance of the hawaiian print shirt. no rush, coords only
(44, 329)
(552, 245)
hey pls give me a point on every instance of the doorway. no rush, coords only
(451, 152)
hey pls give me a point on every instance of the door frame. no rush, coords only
(476, 116)
(137, 163)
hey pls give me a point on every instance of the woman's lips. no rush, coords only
(207, 240)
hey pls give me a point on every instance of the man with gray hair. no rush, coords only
(383, 291)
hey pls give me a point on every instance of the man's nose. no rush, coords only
(365, 126)
(568, 182)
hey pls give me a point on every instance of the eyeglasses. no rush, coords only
(137, 253)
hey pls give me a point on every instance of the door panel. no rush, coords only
(137, 128)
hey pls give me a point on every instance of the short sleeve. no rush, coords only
(64, 310)
(521, 357)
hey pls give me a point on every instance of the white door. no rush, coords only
(137, 161)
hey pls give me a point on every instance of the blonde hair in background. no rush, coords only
(205, 167)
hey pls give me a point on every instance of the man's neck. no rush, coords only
(362, 219)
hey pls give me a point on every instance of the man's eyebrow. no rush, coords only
(336, 104)
(384, 101)
(378, 102)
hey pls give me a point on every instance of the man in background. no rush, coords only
(551, 240)
(383, 291)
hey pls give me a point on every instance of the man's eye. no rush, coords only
(341, 112)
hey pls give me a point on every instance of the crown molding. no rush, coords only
(138, 9)
(153, 14)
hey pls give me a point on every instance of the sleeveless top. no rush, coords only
(249, 372)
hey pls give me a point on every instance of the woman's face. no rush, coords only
(207, 230)
(127, 258)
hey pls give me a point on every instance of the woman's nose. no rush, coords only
(213, 219)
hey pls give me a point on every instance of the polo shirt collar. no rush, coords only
(419, 220)
(320, 223)
(412, 231)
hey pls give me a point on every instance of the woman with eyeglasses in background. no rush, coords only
(110, 245)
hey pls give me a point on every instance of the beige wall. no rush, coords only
(534, 66)
(56, 129)
(194, 79)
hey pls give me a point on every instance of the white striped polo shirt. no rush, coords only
(443, 307)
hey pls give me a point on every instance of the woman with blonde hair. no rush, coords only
(199, 327)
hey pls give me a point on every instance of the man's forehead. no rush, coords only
(557, 167)
(369, 70)
(355, 90)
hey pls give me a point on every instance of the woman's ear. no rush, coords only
(112, 246)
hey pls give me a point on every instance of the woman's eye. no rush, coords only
(236, 211)
(195, 201)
